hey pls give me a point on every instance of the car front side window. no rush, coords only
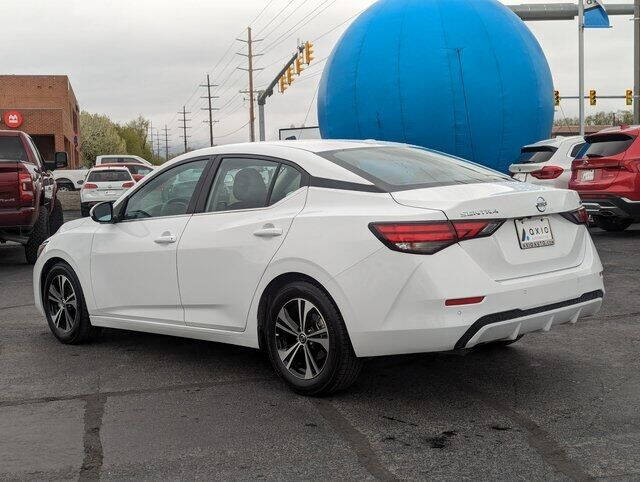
(168, 194)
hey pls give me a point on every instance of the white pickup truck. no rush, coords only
(72, 179)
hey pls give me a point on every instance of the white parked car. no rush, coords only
(323, 253)
(104, 184)
(548, 162)
(121, 159)
(72, 179)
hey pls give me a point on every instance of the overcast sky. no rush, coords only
(147, 57)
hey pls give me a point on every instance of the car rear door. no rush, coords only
(225, 249)
(133, 261)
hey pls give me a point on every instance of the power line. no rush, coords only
(233, 132)
(264, 27)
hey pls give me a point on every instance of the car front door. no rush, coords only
(226, 248)
(133, 261)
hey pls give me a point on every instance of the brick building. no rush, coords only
(45, 107)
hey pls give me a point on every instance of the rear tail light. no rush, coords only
(429, 237)
(128, 184)
(548, 172)
(89, 185)
(25, 185)
(579, 216)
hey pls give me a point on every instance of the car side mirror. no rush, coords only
(102, 213)
(61, 159)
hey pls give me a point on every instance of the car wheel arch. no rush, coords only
(272, 288)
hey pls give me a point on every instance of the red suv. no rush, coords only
(606, 174)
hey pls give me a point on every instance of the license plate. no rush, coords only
(587, 175)
(109, 193)
(520, 176)
(534, 233)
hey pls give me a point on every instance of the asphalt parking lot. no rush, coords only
(561, 405)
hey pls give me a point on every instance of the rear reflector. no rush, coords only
(548, 172)
(464, 301)
(579, 216)
(429, 237)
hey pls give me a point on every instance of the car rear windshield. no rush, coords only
(535, 155)
(109, 176)
(142, 170)
(605, 145)
(11, 148)
(397, 168)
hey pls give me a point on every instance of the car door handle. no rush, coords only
(166, 238)
(268, 231)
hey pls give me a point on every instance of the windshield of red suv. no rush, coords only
(11, 148)
(605, 145)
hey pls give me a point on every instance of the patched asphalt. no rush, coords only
(560, 405)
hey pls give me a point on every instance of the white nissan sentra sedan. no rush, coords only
(322, 253)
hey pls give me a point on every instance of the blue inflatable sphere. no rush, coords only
(466, 77)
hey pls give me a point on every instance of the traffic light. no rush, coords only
(289, 75)
(593, 97)
(283, 84)
(299, 66)
(629, 97)
(308, 53)
(556, 95)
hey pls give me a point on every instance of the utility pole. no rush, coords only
(210, 108)
(636, 63)
(581, 65)
(158, 142)
(166, 143)
(151, 134)
(250, 69)
(184, 126)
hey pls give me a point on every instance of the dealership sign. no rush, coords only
(12, 119)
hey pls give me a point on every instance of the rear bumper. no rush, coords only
(402, 308)
(610, 205)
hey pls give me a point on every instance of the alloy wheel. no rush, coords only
(302, 338)
(62, 303)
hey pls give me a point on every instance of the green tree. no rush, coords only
(599, 119)
(99, 136)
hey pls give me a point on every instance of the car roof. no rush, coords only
(303, 152)
(111, 167)
(633, 130)
(554, 142)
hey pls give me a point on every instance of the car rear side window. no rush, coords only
(11, 148)
(395, 168)
(119, 175)
(535, 155)
(289, 180)
(576, 150)
(605, 145)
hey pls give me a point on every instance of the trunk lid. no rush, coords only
(501, 255)
(9, 192)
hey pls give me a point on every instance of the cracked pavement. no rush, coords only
(561, 405)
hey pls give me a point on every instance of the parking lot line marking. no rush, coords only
(356, 439)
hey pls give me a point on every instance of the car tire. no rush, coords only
(315, 360)
(65, 308)
(613, 224)
(39, 233)
(56, 218)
